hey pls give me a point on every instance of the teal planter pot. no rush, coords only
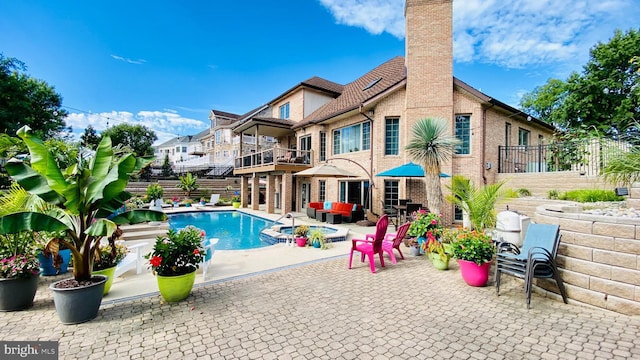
(46, 263)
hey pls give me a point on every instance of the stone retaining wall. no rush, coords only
(599, 257)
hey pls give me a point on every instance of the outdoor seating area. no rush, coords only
(340, 212)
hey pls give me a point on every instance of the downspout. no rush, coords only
(371, 185)
(484, 140)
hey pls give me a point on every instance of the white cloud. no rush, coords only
(165, 124)
(375, 16)
(512, 34)
(130, 61)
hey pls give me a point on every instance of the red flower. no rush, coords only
(155, 261)
(196, 251)
(202, 234)
(434, 222)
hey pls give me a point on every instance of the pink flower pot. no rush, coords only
(301, 241)
(474, 274)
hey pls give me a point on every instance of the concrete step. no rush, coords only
(144, 231)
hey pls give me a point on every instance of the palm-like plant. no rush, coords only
(623, 168)
(477, 202)
(431, 145)
(82, 198)
(188, 184)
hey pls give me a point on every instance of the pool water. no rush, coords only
(325, 230)
(236, 230)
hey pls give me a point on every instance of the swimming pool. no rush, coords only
(236, 230)
(240, 231)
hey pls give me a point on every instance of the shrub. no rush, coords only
(522, 192)
(591, 195)
(553, 194)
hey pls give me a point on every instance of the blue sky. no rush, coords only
(166, 64)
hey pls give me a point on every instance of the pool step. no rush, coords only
(144, 231)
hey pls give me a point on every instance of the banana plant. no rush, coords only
(83, 198)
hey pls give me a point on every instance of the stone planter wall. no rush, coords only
(599, 257)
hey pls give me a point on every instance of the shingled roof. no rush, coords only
(317, 83)
(362, 89)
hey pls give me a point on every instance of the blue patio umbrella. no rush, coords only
(407, 170)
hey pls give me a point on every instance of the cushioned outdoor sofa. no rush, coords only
(349, 212)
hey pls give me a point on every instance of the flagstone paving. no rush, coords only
(325, 311)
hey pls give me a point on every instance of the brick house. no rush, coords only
(364, 126)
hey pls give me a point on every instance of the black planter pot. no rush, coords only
(18, 293)
(80, 304)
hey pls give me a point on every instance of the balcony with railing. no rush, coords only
(586, 156)
(274, 159)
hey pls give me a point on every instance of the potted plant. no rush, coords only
(19, 268)
(235, 201)
(474, 252)
(187, 202)
(439, 250)
(203, 201)
(108, 254)
(154, 195)
(176, 201)
(423, 223)
(300, 233)
(188, 184)
(477, 203)
(317, 238)
(175, 259)
(53, 256)
(81, 201)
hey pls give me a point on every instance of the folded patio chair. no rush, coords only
(372, 245)
(393, 240)
(536, 258)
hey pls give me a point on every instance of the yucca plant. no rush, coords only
(478, 202)
(82, 198)
(431, 145)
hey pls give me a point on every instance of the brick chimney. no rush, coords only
(429, 59)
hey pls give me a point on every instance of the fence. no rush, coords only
(586, 156)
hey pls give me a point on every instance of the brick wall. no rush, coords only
(599, 258)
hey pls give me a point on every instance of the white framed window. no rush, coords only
(284, 111)
(523, 137)
(463, 133)
(352, 138)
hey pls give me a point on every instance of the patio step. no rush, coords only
(144, 231)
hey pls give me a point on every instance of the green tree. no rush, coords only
(166, 167)
(90, 139)
(605, 96)
(138, 138)
(28, 101)
(188, 184)
(431, 145)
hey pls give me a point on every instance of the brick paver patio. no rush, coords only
(324, 311)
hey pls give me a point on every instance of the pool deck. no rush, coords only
(313, 307)
(228, 264)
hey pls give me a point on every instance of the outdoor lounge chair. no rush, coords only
(371, 245)
(133, 259)
(393, 240)
(214, 199)
(210, 247)
(536, 258)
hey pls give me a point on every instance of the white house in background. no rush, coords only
(182, 149)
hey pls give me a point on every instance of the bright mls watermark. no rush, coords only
(40, 350)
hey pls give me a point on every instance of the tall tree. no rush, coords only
(90, 139)
(137, 137)
(28, 101)
(431, 145)
(605, 96)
